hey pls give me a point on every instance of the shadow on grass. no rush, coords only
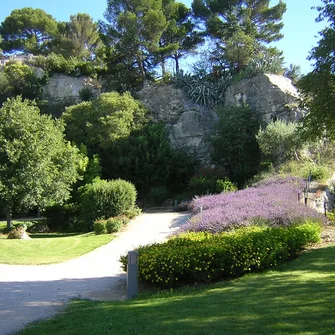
(296, 298)
(52, 235)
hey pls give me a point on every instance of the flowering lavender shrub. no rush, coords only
(273, 201)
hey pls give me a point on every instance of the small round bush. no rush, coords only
(104, 199)
(99, 227)
(114, 225)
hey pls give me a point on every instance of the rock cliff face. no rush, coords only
(188, 124)
(62, 87)
(271, 95)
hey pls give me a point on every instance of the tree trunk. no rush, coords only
(9, 218)
(163, 68)
(143, 74)
(176, 58)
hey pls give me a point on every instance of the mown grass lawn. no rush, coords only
(297, 298)
(49, 248)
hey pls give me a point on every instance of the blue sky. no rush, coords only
(300, 30)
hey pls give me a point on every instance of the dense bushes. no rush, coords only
(102, 199)
(204, 257)
(274, 201)
(111, 225)
(234, 145)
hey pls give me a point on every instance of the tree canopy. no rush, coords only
(79, 37)
(28, 30)
(318, 86)
(244, 26)
(37, 165)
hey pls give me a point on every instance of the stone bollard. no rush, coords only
(132, 274)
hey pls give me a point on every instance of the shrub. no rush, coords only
(234, 144)
(279, 140)
(158, 195)
(204, 257)
(17, 232)
(132, 212)
(104, 199)
(225, 185)
(64, 218)
(274, 200)
(99, 227)
(113, 225)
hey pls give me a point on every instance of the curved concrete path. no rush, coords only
(30, 293)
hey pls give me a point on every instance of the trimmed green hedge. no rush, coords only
(103, 199)
(205, 257)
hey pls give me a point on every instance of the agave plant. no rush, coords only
(206, 91)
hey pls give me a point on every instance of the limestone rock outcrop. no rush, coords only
(273, 96)
(62, 88)
(187, 123)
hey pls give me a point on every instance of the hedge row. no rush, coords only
(206, 257)
(111, 225)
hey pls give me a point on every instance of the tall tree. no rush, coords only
(79, 37)
(318, 86)
(180, 36)
(28, 30)
(136, 27)
(252, 22)
(37, 165)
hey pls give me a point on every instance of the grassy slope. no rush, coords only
(297, 298)
(49, 248)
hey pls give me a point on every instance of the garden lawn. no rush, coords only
(295, 299)
(49, 248)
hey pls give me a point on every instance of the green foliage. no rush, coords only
(268, 61)
(304, 169)
(147, 159)
(99, 123)
(225, 185)
(99, 227)
(63, 218)
(103, 199)
(86, 94)
(113, 225)
(138, 26)
(19, 79)
(234, 145)
(73, 66)
(180, 36)
(158, 195)
(293, 72)
(79, 37)
(208, 181)
(37, 165)
(203, 90)
(280, 141)
(131, 213)
(240, 29)
(202, 257)
(28, 30)
(317, 87)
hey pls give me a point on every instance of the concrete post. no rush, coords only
(132, 274)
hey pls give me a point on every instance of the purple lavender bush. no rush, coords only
(273, 201)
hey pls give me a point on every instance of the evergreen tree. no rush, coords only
(28, 30)
(135, 28)
(318, 86)
(241, 25)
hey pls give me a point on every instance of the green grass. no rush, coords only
(295, 299)
(49, 248)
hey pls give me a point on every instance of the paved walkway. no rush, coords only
(29, 293)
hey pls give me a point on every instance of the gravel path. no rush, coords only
(30, 293)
